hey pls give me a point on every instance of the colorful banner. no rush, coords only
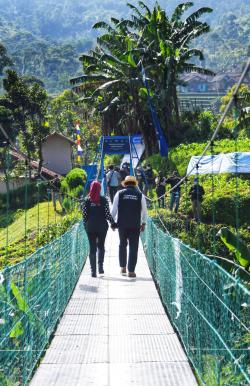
(78, 142)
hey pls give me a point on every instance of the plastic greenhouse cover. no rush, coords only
(221, 163)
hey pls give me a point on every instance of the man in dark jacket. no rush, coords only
(175, 191)
(150, 180)
(131, 211)
(196, 194)
(55, 191)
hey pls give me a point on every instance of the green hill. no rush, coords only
(45, 37)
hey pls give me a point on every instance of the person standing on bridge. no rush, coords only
(131, 211)
(96, 215)
(113, 182)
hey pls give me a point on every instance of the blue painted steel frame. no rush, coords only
(129, 148)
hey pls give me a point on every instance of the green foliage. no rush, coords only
(64, 111)
(68, 204)
(20, 249)
(21, 302)
(7, 122)
(16, 198)
(4, 59)
(16, 252)
(160, 163)
(75, 178)
(226, 201)
(45, 37)
(228, 44)
(202, 237)
(28, 101)
(4, 381)
(112, 75)
(114, 159)
(235, 245)
(17, 330)
(72, 185)
(180, 156)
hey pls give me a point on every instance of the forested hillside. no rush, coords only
(45, 37)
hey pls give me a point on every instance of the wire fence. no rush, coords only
(208, 307)
(33, 296)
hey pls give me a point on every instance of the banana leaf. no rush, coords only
(235, 245)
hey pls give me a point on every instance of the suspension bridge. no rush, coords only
(183, 321)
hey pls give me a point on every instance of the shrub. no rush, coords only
(67, 204)
(75, 178)
(201, 237)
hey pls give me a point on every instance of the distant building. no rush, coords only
(194, 82)
(198, 83)
(57, 153)
(222, 82)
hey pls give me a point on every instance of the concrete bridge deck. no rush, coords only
(114, 331)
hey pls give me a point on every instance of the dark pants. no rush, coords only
(112, 192)
(96, 240)
(196, 204)
(130, 236)
(175, 199)
(160, 191)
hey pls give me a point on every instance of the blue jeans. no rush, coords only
(174, 200)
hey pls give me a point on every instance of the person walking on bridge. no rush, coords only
(131, 211)
(113, 182)
(96, 215)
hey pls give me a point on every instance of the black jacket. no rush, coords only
(129, 208)
(96, 216)
(196, 193)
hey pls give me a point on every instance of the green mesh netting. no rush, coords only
(33, 296)
(208, 307)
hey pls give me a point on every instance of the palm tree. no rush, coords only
(163, 45)
(112, 68)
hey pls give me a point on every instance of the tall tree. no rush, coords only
(17, 99)
(8, 134)
(5, 61)
(37, 114)
(28, 102)
(113, 67)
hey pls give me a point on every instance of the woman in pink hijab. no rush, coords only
(96, 215)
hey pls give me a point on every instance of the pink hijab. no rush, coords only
(95, 191)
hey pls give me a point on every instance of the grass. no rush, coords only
(16, 230)
(51, 225)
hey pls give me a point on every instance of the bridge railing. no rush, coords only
(208, 307)
(33, 296)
